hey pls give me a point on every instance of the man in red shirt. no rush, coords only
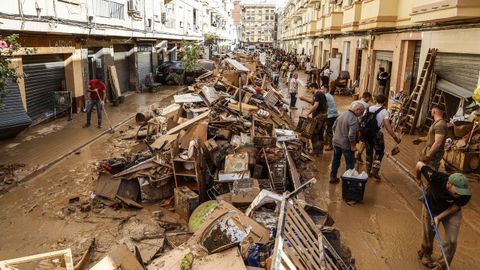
(96, 89)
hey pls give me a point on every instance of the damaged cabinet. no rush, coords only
(188, 172)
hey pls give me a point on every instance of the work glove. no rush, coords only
(417, 141)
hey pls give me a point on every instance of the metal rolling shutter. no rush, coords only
(384, 56)
(459, 69)
(44, 74)
(121, 58)
(144, 55)
(144, 65)
(13, 118)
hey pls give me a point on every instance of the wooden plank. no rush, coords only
(297, 245)
(294, 175)
(279, 242)
(66, 253)
(112, 71)
(245, 107)
(290, 252)
(307, 218)
(188, 123)
(237, 65)
(310, 244)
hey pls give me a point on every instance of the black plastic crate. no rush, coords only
(353, 189)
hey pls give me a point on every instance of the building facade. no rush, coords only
(218, 21)
(258, 24)
(394, 34)
(73, 41)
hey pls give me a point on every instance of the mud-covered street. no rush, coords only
(47, 212)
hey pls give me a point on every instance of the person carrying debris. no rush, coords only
(445, 195)
(433, 152)
(365, 100)
(382, 78)
(96, 88)
(293, 90)
(345, 138)
(319, 113)
(332, 115)
(372, 126)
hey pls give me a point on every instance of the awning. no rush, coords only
(453, 89)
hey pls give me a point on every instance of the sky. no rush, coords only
(280, 3)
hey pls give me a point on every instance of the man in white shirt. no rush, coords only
(375, 144)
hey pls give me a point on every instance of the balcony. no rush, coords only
(444, 10)
(312, 28)
(378, 14)
(332, 23)
(351, 17)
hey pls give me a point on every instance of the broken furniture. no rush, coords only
(186, 201)
(300, 244)
(263, 133)
(187, 170)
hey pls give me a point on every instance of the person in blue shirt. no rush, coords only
(332, 115)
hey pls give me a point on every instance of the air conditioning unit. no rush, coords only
(362, 43)
(133, 5)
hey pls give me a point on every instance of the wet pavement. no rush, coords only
(40, 145)
(383, 232)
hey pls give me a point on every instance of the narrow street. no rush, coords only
(383, 232)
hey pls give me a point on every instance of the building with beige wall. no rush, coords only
(258, 24)
(77, 40)
(394, 34)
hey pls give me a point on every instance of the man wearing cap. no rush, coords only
(433, 152)
(446, 195)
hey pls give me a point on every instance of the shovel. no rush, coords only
(396, 149)
(106, 114)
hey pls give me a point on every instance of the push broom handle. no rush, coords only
(435, 227)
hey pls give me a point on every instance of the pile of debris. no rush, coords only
(222, 162)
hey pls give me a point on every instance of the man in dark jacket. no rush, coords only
(345, 139)
(382, 78)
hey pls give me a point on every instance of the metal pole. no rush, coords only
(435, 228)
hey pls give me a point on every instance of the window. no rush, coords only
(266, 17)
(110, 9)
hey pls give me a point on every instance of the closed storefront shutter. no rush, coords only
(384, 56)
(121, 58)
(144, 62)
(460, 69)
(13, 117)
(44, 74)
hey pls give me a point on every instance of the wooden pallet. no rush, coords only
(411, 109)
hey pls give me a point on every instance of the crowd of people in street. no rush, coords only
(362, 128)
